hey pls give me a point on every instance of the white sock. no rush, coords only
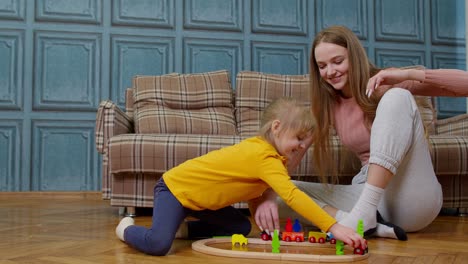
(381, 231)
(124, 223)
(385, 231)
(340, 215)
(365, 208)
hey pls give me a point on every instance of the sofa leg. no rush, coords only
(462, 211)
(130, 211)
(121, 211)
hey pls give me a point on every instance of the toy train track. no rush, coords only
(208, 246)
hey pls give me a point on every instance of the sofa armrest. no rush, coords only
(452, 126)
(110, 121)
(157, 153)
(449, 156)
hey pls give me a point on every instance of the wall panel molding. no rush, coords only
(213, 14)
(64, 156)
(448, 26)
(11, 69)
(352, 13)
(135, 55)
(399, 20)
(202, 55)
(286, 58)
(449, 106)
(72, 11)
(10, 155)
(280, 16)
(398, 58)
(67, 71)
(154, 13)
(12, 9)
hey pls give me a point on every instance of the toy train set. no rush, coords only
(294, 233)
(239, 246)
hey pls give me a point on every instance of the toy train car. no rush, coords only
(292, 236)
(313, 237)
(320, 237)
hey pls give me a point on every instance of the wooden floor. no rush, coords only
(79, 228)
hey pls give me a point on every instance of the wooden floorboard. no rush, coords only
(79, 228)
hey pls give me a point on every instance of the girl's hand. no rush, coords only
(265, 211)
(348, 236)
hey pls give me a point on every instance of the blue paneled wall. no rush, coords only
(60, 58)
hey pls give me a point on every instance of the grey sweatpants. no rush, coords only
(413, 198)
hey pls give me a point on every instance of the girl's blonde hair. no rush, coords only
(293, 116)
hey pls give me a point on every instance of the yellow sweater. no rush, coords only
(240, 173)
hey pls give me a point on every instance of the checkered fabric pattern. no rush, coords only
(454, 126)
(138, 160)
(184, 104)
(254, 91)
(450, 159)
(110, 121)
(133, 162)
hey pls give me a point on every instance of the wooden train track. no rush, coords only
(206, 246)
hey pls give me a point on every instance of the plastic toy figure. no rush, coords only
(297, 226)
(339, 247)
(239, 239)
(275, 244)
(288, 227)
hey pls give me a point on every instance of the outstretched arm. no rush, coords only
(420, 81)
(388, 77)
(266, 216)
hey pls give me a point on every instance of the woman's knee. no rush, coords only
(397, 99)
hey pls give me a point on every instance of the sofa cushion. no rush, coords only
(184, 104)
(255, 90)
(157, 153)
(428, 114)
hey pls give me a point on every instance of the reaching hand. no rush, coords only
(348, 236)
(266, 212)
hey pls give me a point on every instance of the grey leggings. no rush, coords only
(413, 198)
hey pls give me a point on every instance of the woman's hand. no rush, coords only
(265, 211)
(385, 79)
(348, 236)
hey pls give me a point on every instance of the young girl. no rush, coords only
(205, 187)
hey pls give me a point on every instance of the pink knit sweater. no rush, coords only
(349, 118)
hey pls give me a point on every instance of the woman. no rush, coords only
(382, 126)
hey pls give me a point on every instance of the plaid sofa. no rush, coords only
(175, 117)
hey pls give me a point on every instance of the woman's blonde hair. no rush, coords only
(293, 116)
(323, 96)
